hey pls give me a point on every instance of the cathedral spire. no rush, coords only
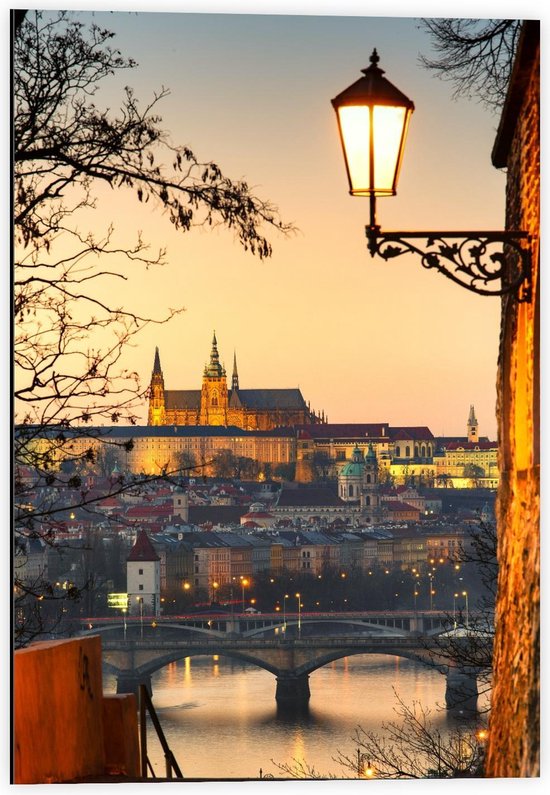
(156, 366)
(157, 408)
(214, 369)
(235, 378)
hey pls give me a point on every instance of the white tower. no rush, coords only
(143, 578)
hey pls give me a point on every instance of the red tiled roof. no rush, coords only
(142, 549)
(420, 432)
(148, 511)
(395, 505)
(257, 515)
(354, 430)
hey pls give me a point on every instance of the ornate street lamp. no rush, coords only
(373, 117)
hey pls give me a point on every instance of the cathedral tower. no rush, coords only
(214, 396)
(472, 426)
(235, 377)
(157, 406)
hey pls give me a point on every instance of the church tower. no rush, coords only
(472, 426)
(214, 396)
(157, 406)
(350, 477)
(370, 497)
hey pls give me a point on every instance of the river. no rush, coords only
(221, 719)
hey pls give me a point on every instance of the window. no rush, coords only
(407, 451)
(369, 479)
(140, 587)
(398, 451)
(140, 571)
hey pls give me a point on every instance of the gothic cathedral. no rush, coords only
(215, 404)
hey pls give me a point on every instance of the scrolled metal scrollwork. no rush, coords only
(487, 263)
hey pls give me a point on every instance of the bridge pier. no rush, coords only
(461, 691)
(129, 682)
(292, 690)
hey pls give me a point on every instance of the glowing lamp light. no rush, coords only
(373, 118)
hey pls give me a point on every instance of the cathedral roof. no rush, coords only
(267, 399)
(182, 398)
(272, 398)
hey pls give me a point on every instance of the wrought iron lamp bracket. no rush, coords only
(487, 263)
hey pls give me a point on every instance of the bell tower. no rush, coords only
(157, 406)
(370, 497)
(472, 427)
(214, 398)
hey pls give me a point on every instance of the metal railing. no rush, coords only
(146, 705)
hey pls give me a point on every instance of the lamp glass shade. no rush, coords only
(373, 118)
(380, 130)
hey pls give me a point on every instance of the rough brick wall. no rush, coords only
(513, 748)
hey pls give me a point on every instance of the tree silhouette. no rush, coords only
(476, 55)
(71, 325)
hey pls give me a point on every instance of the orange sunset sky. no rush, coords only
(365, 340)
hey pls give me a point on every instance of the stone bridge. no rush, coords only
(291, 661)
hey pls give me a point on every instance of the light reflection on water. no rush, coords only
(221, 719)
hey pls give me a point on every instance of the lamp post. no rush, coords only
(124, 609)
(215, 586)
(465, 595)
(284, 612)
(430, 577)
(298, 597)
(244, 583)
(140, 599)
(455, 597)
(373, 118)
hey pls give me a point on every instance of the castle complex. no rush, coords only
(215, 404)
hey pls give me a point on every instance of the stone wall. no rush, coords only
(65, 729)
(513, 748)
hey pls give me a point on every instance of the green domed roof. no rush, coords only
(356, 466)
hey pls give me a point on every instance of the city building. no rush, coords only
(143, 577)
(216, 404)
